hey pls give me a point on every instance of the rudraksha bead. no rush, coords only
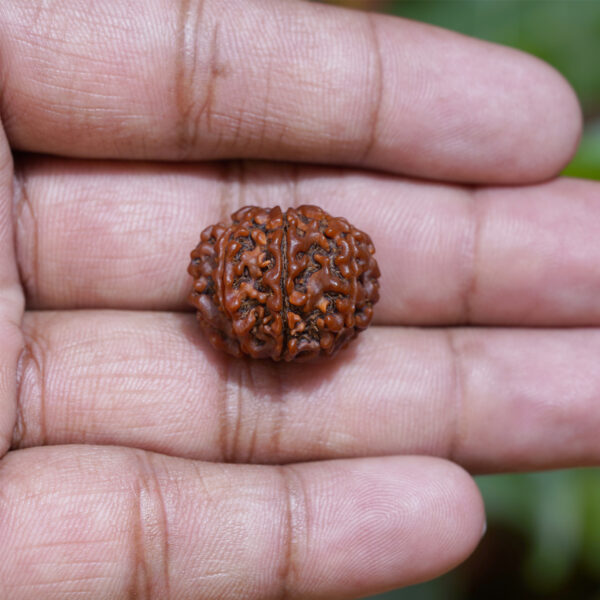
(286, 286)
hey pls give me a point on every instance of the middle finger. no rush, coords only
(114, 235)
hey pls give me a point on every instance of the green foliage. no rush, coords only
(586, 163)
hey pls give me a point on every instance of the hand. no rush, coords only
(119, 404)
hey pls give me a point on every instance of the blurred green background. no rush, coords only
(543, 538)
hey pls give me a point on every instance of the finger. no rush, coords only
(187, 80)
(504, 256)
(491, 400)
(11, 300)
(112, 523)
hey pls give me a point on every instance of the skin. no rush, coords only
(119, 424)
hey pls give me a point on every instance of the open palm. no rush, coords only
(117, 418)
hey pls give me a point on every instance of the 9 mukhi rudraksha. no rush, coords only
(289, 286)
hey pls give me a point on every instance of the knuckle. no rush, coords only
(30, 426)
(471, 277)
(375, 82)
(253, 412)
(232, 187)
(238, 414)
(198, 69)
(150, 533)
(458, 397)
(294, 531)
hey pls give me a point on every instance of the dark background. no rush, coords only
(543, 538)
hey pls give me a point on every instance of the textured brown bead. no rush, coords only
(288, 286)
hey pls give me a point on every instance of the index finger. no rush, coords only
(205, 79)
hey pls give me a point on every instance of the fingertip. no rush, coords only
(557, 123)
(450, 520)
(397, 521)
(463, 109)
(460, 496)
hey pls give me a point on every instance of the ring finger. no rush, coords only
(489, 399)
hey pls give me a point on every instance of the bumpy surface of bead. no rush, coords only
(286, 286)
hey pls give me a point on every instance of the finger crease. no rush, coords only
(214, 72)
(296, 524)
(253, 421)
(191, 68)
(231, 410)
(295, 179)
(377, 87)
(31, 377)
(280, 415)
(20, 429)
(140, 581)
(232, 188)
(471, 284)
(457, 433)
(25, 221)
(186, 64)
(150, 537)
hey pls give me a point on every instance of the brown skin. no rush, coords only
(146, 518)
